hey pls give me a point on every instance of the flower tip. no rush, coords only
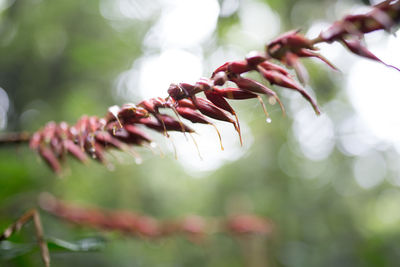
(393, 67)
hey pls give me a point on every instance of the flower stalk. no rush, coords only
(123, 126)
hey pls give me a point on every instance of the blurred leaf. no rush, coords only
(10, 250)
(87, 244)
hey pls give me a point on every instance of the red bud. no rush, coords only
(186, 103)
(35, 140)
(170, 124)
(134, 131)
(192, 115)
(74, 150)
(278, 78)
(254, 58)
(271, 66)
(238, 67)
(50, 158)
(219, 101)
(234, 93)
(212, 111)
(356, 47)
(106, 138)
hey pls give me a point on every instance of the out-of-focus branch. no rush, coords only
(14, 138)
(194, 227)
(32, 214)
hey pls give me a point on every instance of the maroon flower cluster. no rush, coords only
(121, 128)
(350, 30)
(194, 227)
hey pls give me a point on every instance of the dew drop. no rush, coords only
(153, 144)
(138, 161)
(268, 120)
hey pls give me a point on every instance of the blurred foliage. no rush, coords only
(10, 250)
(59, 60)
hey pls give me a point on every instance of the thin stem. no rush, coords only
(17, 225)
(14, 138)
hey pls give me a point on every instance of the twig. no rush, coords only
(17, 225)
(14, 138)
(194, 227)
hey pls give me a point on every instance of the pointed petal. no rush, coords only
(50, 158)
(309, 53)
(75, 150)
(292, 60)
(219, 101)
(278, 78)
(356, 47)
(234, 93)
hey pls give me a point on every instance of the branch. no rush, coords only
(193, 227)
(32, 214)
(14, 138)
(120, 128)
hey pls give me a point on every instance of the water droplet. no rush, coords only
(138, 161)
(153, 144)
(268, 120)
(92, 150)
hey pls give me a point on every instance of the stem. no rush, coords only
(316, 40)
(17, 225)
(14, 138)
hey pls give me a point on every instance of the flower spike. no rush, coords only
(123, 126)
